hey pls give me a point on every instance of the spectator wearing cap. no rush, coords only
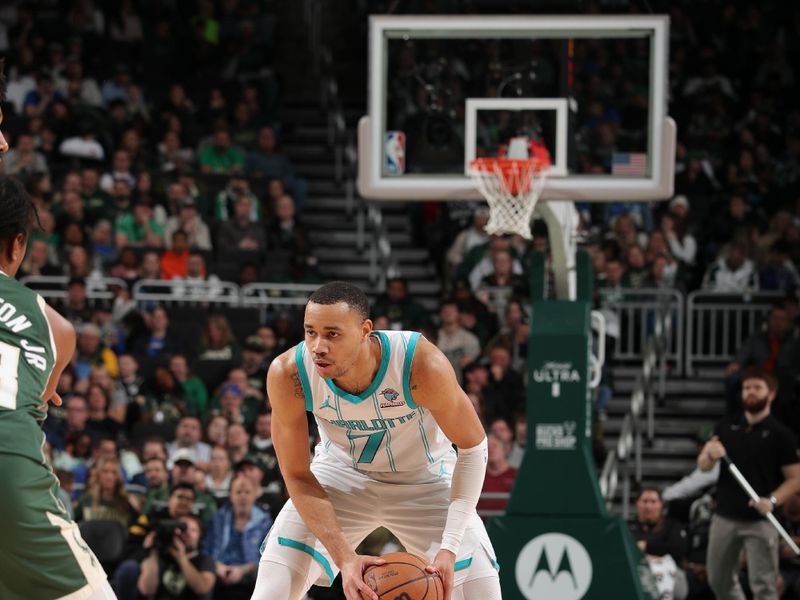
(252, 395)
(675, 226)
(174, 260)
(139, 227)
(188, 219)
(91, 352)
(183, 470)
(234, 538)
(271, 496)
(231, 404)
(187, 437)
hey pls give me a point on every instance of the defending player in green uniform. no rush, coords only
(42, 554)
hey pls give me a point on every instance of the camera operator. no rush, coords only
(177, 570)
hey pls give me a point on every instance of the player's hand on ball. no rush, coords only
(353, 577)
(443, 566)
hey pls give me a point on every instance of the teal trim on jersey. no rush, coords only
(301, 371)
(462, 564)
(389, 454)
(495, 564)
(386, 351)
(410, 348)
(319, 557)
(424, 436)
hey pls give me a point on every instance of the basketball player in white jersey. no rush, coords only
(389, 410)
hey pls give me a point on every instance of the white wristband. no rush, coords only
(465, 491)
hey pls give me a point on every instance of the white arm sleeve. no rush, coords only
(465, 491)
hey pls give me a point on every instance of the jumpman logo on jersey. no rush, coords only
(442, 471)
(326, 403)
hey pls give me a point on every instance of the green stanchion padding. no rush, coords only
(557, 541)
(538, 276)
(559, 448)
(569, 559)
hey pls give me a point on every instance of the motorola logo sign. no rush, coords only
(554, 566)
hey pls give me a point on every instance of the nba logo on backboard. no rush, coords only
(395, 153)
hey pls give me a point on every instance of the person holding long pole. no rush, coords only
(766, 455)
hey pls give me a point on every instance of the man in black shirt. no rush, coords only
(766, 453)
(180, 571)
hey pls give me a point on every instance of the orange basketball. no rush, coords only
(404, 577)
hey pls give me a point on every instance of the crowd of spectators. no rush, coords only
(162, 160)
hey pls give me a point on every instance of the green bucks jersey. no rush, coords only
(27, 357)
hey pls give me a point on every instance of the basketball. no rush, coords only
(404, 577)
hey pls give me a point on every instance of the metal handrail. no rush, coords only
(639, 422)
(182, 291)
(55, 286)
(717, 324)
(634, 308)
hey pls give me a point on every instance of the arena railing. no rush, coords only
(176, 292)
(54, 287)
(270, 295)
(634, 312)
(718, 323)
(624, 463)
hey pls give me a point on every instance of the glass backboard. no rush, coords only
(444, 90)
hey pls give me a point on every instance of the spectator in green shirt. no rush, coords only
(193, 387)
(138, 227)
(221, 157)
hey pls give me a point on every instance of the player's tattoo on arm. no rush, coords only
(298, 386)
(411, 380)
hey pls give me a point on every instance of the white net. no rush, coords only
(512, 188)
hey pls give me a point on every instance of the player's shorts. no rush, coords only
(414, 512)
(42, 553)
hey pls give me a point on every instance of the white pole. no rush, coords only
(745, 485)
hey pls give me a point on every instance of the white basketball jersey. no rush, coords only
(381, 429)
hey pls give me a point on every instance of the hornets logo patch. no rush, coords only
(391, 398)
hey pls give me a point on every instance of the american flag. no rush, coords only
(629, 163)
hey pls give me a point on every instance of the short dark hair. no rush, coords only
(183, 486)
(762, 374)
(17, 210)
(649, 488)
(341, 291)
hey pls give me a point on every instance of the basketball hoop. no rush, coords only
(512, 187)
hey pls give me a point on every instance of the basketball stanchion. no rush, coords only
(748, 489)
